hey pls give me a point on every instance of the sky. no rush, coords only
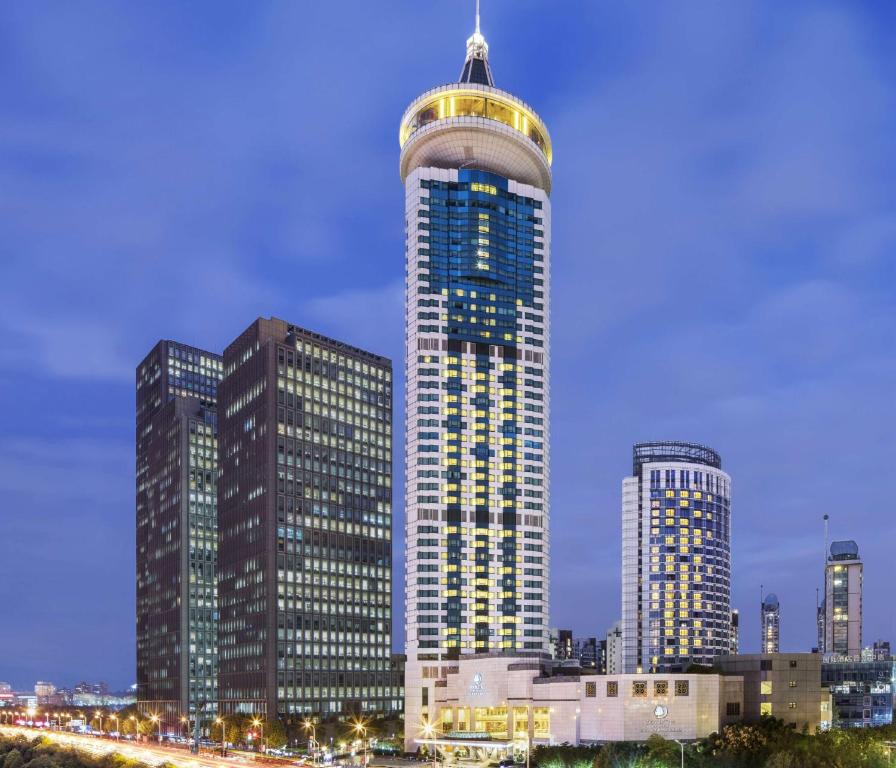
(723, 266)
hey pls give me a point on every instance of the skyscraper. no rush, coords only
(305, 521)
(177, 529)
(676, 558)
(843, 600)
(770, 622)
(475, 162)
(734, 640)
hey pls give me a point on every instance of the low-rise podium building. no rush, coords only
(787, 686)
(490, 705)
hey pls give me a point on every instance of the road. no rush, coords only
(153, 754)
(144, 752)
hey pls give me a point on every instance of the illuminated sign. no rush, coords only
(477, 688)
(660, 711)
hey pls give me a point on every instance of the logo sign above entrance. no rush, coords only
(477, 687)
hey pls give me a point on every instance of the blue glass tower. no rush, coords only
(475, 161)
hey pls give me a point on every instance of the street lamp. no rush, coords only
(99, 715)
(680, 744)
(361, 728)
(309, 726)
(115, 718)
(220, 721)
(158, 720)
(260, 725)
(429, 732)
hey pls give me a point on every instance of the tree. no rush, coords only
(237, 725)
(13, 759)
(274, 733)
(781, 760)
(663, 752)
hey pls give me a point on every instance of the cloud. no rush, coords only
(372, 319)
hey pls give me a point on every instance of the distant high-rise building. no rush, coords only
(676, 558)
(880, 650)
(735, 631)
(615, 656)
(819, 624)
(770, 619)
(843, 600)
(561, 643)
(305, 526)
(476, 166)
(43, 689)
(586, 651)
(177, 542)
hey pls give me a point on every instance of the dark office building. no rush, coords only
(177, 532)
(586, 650)
(305, 526)
(602, 657)
(862, 691)
(561, 643)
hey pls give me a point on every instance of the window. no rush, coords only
(765, 687)
(590, 690)
(682, 688)
(639, 689)
(612, 688)
(661, 688)
(765, 665)
(765, 708)
(792, 684)
(791, 705)
(732, 709)
(793, 663)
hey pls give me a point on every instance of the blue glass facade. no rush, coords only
(481, 241)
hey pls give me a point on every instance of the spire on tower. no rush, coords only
(476, 67)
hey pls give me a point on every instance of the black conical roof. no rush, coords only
(477, 70)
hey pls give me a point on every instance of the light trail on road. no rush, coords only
(146, 753)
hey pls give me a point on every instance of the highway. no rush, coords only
(151, 754)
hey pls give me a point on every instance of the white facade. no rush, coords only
(615, 650)
(676, 558)
(513, 701)
(482, 519)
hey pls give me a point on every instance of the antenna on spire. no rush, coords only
(825, 540)
(476, 67)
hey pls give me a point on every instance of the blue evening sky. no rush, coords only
(723, 265)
